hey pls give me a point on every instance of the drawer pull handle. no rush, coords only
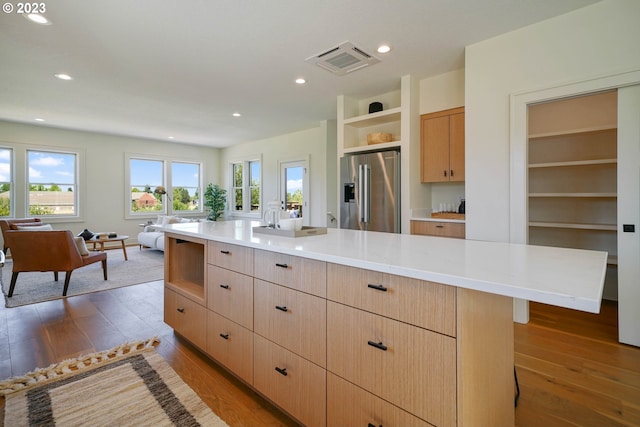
(377, 287)
(282, 265)
(282, 371)
(372, 425)
(181, 310)
(377, 345)
(439, 226)
(282, 308)
(225, 336)
(224, 286)
(225, 252)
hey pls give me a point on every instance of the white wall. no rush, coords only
(317, 144)
(442, 92)
(104, 169)
(598, 40)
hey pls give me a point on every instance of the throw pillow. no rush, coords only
(44, 227)
(82, 246)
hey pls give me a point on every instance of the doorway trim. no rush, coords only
(519, 102)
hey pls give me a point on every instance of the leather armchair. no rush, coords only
(48, 251)
(9, 224)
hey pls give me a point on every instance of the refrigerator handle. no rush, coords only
(365, 204)
(360, 193)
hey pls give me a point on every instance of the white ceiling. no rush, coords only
(160, 68)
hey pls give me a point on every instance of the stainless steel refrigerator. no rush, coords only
(370, 185)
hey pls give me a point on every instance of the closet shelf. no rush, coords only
(573, 225)
(573, 131)
(573, 163)
(593, 195)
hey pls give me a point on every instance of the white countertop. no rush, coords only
(570, 278)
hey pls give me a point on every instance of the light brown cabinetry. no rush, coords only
(293, 319)
(438, 228)
(332, 344)
(290, 381)
(442, 146)
(351, 406)
(186, 317)
(231, 345)
(411, 367)
(425, 304)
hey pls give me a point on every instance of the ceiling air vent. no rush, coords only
(343, 59)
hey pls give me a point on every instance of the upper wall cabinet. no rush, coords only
(442, 146)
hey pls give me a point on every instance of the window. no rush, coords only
(52, 183)
(245, 188)
(145, 177)
(185, 183)
(154, 189)
(294, 187)
(6, 177)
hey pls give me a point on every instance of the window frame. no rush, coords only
(246, 211)
(11, 181)
(78, 198)
(167, 178)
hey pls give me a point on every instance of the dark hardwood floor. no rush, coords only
(572, 371)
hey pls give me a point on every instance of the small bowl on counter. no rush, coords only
(290, 224)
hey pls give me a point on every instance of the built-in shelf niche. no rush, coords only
(572, 173)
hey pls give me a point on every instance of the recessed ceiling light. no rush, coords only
(62, 76)
(384, 48)
(300, 81)
(38, 119)
(236, 114)
(37, 18)
(171, 137)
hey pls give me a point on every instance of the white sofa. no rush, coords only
(151, 238)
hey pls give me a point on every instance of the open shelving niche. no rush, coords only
(355, 122)
(185, 269)
(572, 179)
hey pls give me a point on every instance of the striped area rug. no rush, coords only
(130, 385)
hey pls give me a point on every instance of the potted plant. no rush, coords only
(215, 201)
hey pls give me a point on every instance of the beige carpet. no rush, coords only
(142, 266)
(130, 385)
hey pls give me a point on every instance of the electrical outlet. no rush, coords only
(629, 228)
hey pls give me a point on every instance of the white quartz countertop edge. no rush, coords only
(570, 278)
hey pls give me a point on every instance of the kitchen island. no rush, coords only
(357, 328)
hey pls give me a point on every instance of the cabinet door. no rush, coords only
(231, 295)
(351, 406)
(435, 149)
(411, 367)
(186, 317)
(291, 382)
(456, 147)
(293, 319)
(231, 345)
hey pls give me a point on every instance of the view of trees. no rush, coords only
(180, 199)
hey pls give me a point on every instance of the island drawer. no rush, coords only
(351, 406)
(410, 367)
(291, 382)
(231, 257)
(292, 319)
(231, 295)
(421, 303)
(438, 229)
(303, 274)
(186, 317)
(231, 345)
